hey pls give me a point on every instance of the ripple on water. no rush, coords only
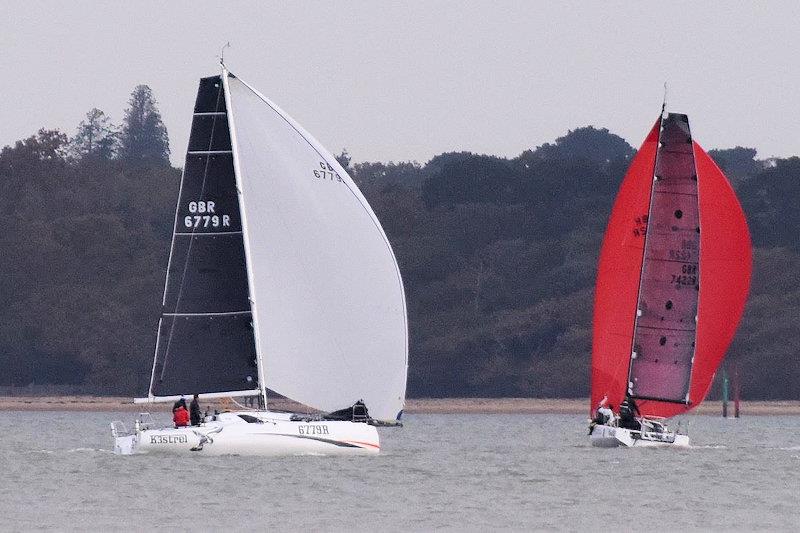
(452, 472)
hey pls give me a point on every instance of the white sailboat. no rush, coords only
(280, 277)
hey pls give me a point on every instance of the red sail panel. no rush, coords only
(726, 267)
(664, 334)
(618, 276)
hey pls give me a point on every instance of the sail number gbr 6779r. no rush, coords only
(203, 216)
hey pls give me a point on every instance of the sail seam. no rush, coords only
(657, 260)
(205, 233)
(209, 152)
(667, 329)
(678, 193)
(223, 313)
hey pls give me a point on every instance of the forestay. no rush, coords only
(328, 297)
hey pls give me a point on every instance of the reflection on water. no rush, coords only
(439, 471)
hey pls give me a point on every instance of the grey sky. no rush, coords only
(406, 81)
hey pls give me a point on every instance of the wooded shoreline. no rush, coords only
(568, 406)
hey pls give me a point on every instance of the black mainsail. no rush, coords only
(206, 342)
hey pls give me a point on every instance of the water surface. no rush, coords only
(473, 472)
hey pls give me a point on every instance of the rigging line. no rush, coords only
(191, 239)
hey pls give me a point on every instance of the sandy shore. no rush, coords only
(418, 405)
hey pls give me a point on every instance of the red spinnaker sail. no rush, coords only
(618, 274)
(725, 267)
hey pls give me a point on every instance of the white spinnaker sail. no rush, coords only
(330, 307)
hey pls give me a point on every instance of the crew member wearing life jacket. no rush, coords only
(628, 411)
(180, 402)
(194, 411)
(180, 417)
(604, 413)
(607, 414)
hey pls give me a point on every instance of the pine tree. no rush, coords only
(144, 137)
(96, 137)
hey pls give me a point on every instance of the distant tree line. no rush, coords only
(498, 256)
(85, 240)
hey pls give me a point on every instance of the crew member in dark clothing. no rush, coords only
(180, 403)
(194, 411)
(628, 411)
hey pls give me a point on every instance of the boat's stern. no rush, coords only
(604, 437)
(612, 437)
(124, 442)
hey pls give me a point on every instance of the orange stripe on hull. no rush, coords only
(364, 444)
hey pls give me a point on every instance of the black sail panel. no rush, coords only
(205, 338)
(201, 354)
(210, 96)
(666, 327)
(208, 199)
(206, 275)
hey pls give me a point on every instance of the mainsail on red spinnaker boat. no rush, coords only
(672, 279)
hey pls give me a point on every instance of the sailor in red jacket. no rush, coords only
(180, 417)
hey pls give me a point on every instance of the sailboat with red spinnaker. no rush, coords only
(672, 281)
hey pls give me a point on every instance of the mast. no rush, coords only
(736, 389)
(247, 252)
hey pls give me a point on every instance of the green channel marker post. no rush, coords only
(725, 384)
(737, 390)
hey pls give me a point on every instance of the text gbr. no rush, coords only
(205, 216)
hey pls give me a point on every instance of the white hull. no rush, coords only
(612, 437)
(273, 435)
